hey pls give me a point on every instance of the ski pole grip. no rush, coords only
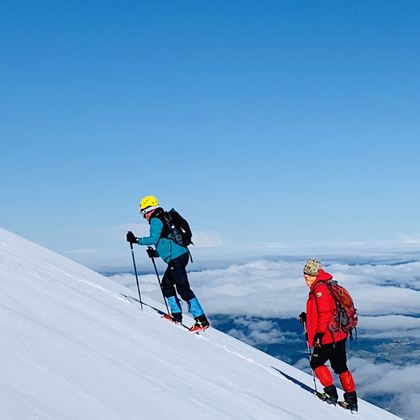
(151, 252)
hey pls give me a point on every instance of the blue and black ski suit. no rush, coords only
(176, 256)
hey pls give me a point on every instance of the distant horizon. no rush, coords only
(203, 263)
(220, 258)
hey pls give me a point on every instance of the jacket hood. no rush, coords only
(322, 276)
(158, 211)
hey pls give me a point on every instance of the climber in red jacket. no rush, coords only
(327, 345)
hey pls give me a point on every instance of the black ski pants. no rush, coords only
(334, 352)
(176, 276)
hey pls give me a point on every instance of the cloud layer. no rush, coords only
(277, 289)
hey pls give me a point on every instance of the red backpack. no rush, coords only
(345, 314)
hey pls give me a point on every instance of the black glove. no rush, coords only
(151, 252)
(318, 339)
(131, 238)
(302, 317)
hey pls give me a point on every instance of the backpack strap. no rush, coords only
(316, 303)
(161, 215)
(189, 253)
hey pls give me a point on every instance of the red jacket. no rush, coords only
(320, 311)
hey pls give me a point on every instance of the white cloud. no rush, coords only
(404, 243)
(139, 229)
(207, 239)
(410, 239)
(257, 331)
(276, 288)
(391, 326)
(261, 288)
(212, 248)
(107, 249)
(400, 383)
(269, 288)
(81, 252)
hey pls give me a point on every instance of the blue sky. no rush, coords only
(269, 124)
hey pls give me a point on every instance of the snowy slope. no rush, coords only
(74, 348)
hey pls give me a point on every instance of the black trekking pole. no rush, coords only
(137, 279)
(151, 253)
(309, 354)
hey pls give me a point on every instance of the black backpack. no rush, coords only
(178, 227)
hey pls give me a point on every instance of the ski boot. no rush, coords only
(350, 401)
(176, 317)
(201, 323)
(329, 395)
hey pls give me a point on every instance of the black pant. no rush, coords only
(334, 352)
(176, 275)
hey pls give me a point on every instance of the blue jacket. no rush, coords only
(166, 247)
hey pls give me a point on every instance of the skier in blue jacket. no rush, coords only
(176, 256)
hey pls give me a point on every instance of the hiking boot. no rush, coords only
(330, 394)
(201, 323)
(350, 399)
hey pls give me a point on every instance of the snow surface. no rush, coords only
(74, 348)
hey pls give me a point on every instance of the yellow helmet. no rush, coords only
(148, 201)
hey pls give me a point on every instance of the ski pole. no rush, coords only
(309, 354)
(150, 252)
(137, 279)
